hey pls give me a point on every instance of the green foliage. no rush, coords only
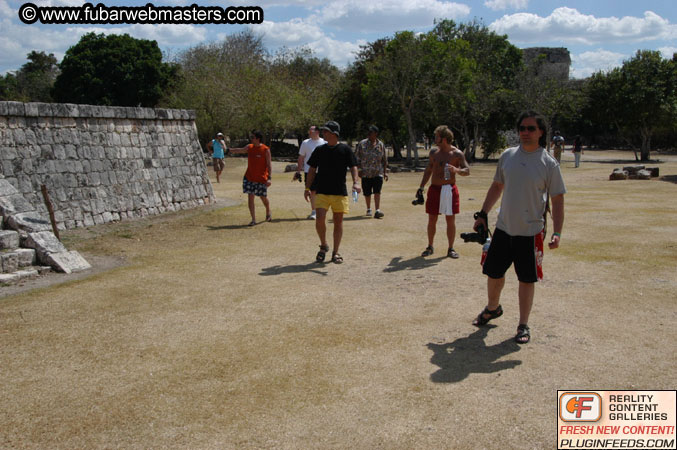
(33, 81)
(637, 99)
(235, 86)
(113, 70)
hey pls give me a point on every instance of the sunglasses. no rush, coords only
(530, 128)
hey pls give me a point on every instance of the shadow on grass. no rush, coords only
(624, 162)
(240, 227)
(297, 268)
(458, 359)
(417, 263)
(669, 178)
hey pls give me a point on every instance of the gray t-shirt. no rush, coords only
(527, 177)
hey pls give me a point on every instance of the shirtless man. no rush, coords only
(443, 195)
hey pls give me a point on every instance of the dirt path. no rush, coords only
(213, 334)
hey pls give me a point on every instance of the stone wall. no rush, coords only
(551, 62)
(102, 164)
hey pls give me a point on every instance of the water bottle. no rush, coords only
(447, 172)
(355, 196)
(485, 249)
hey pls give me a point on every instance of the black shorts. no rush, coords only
(524, 251)
(372, 184)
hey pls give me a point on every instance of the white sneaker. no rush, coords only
(369, 212)
(312, 216)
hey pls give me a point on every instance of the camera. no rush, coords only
(482, 233)
(419, 200)
(297, 177)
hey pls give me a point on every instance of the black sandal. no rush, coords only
(481, 320)
(336, 258)
(428, 251)
(523, 335)
(322, 253)
(451, 253)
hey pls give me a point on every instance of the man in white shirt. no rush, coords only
(305, 151)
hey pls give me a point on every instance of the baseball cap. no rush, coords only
(219, 134)
(373, 128)
(332, 127)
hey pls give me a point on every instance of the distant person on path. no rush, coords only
(557, 145)
(305, 152)
(327, 179)
(218, 148)
(578, 149)
(256, 180)
(372, 163)
(525, 175)
(443, 198)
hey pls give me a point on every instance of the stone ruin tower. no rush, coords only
(548, 62)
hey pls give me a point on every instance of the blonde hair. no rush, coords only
(444, 132)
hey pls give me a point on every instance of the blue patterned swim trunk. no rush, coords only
(258, 189)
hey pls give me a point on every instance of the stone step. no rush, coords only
(13, 260)
(9, 239)
(28, 272)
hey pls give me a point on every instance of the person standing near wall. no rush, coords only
(218, 148)
(257, 178)
(305, 152)
(372, 163)
(578, 150)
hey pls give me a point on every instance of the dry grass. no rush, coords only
(218, 335)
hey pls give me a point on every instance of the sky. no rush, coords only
(599, 34)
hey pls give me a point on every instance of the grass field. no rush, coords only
(218, 335)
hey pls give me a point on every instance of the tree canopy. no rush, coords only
(33, 81)
(113, 70)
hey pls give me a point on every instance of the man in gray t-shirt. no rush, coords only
(525, 175)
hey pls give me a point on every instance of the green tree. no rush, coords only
(113, 70)
(485, 70)
(638, 98)
(406, 73)
(33, 81)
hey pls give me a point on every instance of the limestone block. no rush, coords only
(9, 239)
(29, 221)
(632, 170)
(67, 262)
(618, 174)
(44, 242)
(14, 204)
(65, 110)
(643, 175)
(15, 109)
(26, 256)
(9, 262)
(8, 278)
(3, 108)
(27, 273)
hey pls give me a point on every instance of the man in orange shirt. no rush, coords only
(257, 177)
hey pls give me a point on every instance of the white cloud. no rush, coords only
(667, 52)
(500, 5)
(585, 64)
(369, 17)
(569, 25)
(299, 33)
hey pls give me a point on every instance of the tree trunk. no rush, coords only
(411, 146)
(397, 151)
(646, 144)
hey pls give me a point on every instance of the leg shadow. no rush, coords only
(279, 270)
(458, 359)
(397, 264)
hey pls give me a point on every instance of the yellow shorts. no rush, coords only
(338, 203)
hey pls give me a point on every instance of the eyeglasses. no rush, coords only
(529, 128)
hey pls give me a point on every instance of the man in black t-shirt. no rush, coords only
(327, 180)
